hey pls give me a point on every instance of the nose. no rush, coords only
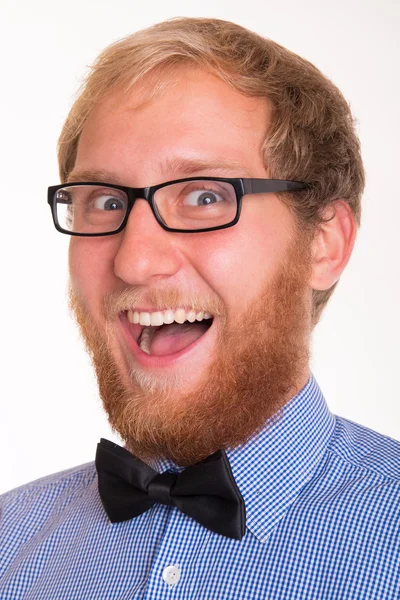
(146, 251)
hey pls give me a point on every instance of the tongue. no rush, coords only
(175, 337)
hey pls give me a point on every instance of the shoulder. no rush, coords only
(45, 493)
(360, 478)
(366, 450)
(43, 510)
(353, 499)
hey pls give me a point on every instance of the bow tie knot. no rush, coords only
(159, 489)
(206, 492)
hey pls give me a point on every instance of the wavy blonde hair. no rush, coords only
(311, 136)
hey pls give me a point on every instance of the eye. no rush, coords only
(109, 202)
(202, 197)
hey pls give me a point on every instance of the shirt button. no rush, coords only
(171, 575)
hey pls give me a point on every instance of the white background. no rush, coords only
(51, 416)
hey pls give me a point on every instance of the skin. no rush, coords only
(256, 277)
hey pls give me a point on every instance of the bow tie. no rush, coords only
(206, 491)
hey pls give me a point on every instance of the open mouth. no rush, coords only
(167, 338)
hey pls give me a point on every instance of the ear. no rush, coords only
(333, 245)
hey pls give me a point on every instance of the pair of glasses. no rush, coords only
(190, 205)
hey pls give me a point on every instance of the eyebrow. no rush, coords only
(182, 167)
(100, 175)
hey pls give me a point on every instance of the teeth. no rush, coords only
(144, 318)
(156, 319)
(168, 317)
(145, 340)
(179, 315)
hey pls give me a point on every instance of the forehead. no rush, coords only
(194, 116)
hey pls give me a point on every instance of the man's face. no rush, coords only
(253, 277)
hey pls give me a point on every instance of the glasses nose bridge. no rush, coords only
(139, 194)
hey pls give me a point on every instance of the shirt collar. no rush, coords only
(272, 467)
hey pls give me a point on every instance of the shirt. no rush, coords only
(322, 500)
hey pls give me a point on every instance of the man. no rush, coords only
(211, 183)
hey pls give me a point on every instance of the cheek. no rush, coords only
(91, 268)
(237, 263)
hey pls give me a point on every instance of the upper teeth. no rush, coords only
(180, 315)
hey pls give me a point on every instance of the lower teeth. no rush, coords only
(145, 339)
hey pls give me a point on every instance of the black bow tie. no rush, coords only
(206, 491)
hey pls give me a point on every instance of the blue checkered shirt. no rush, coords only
(322, 499)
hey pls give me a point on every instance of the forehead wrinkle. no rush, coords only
(191, 166)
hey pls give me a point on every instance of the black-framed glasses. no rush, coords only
(190, 205)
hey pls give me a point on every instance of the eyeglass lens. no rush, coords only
(186, 205)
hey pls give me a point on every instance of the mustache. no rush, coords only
(117, 302)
